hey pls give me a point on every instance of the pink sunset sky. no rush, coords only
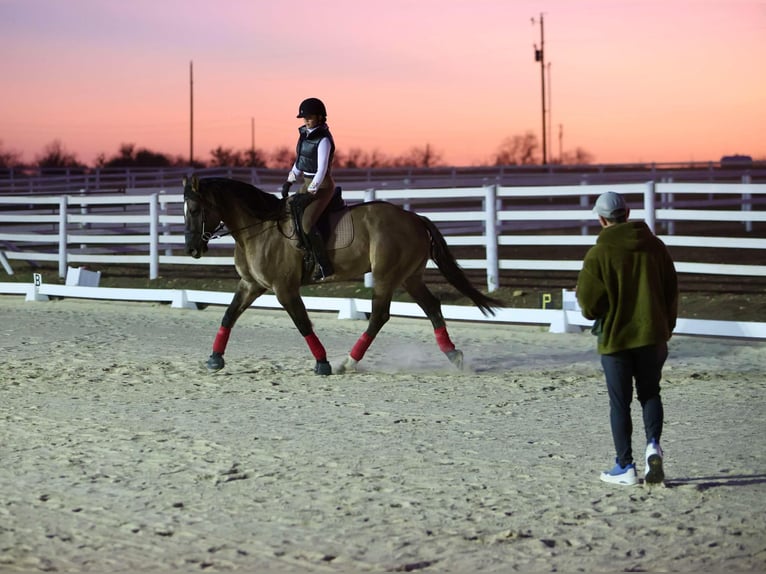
(631, 81)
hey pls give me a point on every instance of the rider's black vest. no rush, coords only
(307, 149)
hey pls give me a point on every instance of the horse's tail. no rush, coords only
(449, 267)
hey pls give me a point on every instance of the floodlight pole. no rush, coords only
(540, 57)
(191, 113)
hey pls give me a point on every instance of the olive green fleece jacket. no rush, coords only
(628, 284)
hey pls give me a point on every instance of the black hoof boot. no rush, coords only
(323, 368)
(455, 357)
(215, 362)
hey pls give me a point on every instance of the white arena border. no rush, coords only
(568, 319)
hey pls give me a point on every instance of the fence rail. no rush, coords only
(110, 180)
(484, 223)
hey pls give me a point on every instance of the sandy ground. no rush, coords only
(120, 452)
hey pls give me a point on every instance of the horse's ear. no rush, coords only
(195, 183)
(183, 182)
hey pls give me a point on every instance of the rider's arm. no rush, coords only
(323, 161)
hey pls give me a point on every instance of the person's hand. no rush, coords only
(286, 188)
(291, 177)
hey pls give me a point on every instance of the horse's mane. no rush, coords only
(256, 201)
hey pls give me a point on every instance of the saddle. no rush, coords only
(334, 225)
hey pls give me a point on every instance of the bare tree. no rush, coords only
(131, 156)
(9, 158)
(518, 150)
(376, 158)
(149, 158)
(282, 157)
(352, 159)
(578, 157)
(419, 157)
(225, 157)
(254, 157)
(56, 156)
(125, 156)
(358, 158)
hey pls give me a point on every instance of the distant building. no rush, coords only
(737, 161)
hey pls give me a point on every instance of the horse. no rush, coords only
(392, 243)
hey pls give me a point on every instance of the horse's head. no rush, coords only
(201, 218)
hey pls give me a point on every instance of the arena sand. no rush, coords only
(120, 452)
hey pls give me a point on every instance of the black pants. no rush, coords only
(644, 365)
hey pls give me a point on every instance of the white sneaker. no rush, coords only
(653, 473)
(625, 475)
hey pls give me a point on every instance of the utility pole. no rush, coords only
(561, 143)
(540, 57)
(191, 113)
(550, 110)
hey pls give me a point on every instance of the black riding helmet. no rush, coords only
(310, 107)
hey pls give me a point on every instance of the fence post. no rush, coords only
(83, 207)
(5, 264)
(369, 195)
(490, 236)
(649, 205)
(584, 202)
(154, 239)
(62, 235)
(83, 211)
(747, 203)
(165, 225)
(666, 201)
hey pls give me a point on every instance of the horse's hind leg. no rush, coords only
(379, 316)
(433, 309)
(243, 297)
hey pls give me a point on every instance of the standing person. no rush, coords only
(314, 151)
(628, 284)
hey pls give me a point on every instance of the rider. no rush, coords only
(315, 151)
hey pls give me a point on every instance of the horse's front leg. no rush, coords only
(244, 296)
(293, 304)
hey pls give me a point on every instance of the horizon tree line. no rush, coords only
(520, 149)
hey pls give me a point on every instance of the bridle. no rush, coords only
(206, 236)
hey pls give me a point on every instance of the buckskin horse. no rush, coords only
(379, 237)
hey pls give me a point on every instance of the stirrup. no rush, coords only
(320, 274)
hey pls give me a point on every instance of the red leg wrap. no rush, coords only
(221, 339)
(360, 347)
(443, 340)
(316, 347)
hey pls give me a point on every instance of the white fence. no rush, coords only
(567, 319)
(148, 228)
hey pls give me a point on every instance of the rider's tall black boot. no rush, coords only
(320, 253)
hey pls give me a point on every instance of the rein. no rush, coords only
(217, 233)
(208, 236)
